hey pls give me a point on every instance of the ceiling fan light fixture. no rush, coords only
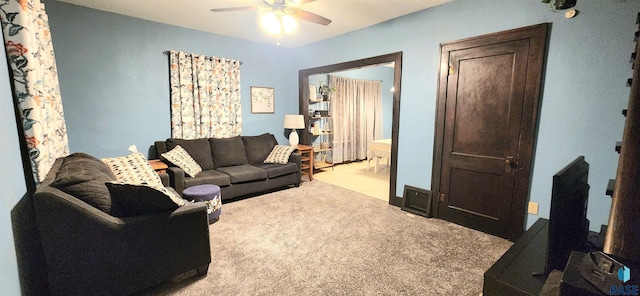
(271, 23)
(289, 23)
(278, 23)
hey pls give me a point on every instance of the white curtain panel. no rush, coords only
(356, 111)
(205, 96)
(29, 49)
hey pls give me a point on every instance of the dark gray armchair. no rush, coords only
(90, 252)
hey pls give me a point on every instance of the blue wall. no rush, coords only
(12, 184)
(583, 93)
(114, 77)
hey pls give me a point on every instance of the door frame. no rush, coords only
(537, 35)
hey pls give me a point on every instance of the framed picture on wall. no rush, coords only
(262, 100)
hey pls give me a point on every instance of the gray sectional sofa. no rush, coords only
(235, 164)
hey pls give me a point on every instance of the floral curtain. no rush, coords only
(357, 114)
(33, 69)
(205, 96)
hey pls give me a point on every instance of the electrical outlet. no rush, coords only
(533, 208)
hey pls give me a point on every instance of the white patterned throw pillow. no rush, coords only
(182, 159)
(133, 168)
(280, 154)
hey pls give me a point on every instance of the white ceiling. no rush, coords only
(346, 16)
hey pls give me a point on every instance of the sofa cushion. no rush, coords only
(199, 149)
(183, 160)
(84, 177)
(133, 169)
(228, 152)
(208, 177)
(257, 148)
(280, 154)
(140, 199)
(244, 173)
(276, 170)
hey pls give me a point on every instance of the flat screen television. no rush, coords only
(568, 223)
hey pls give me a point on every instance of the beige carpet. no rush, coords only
(356, 177)
(320, 239)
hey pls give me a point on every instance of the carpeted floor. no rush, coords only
(320, 239)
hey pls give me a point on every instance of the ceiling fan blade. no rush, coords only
(283, 3)
(307, 16)
(302, 1)
(234, 8)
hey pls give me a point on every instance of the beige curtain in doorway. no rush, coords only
(205, 96)
(356, 110)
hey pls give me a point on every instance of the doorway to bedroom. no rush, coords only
(350, 156)
(353, 142)
(394, 62)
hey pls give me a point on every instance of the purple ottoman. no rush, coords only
(210, 195)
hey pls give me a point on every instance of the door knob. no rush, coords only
(510, 163)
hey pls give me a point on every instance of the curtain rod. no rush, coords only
(166, 52)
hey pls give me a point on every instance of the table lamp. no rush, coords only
(293, 122)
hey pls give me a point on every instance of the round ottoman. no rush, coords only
(210, 195)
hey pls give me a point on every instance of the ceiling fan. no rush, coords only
(284, 7)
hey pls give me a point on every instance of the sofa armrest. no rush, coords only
(176, 178)
(90, 252)
(297, 159)
(166, 181)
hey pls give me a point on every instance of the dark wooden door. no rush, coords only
(486, 123)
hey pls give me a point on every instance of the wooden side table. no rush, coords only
(158, 166)
(306, 153)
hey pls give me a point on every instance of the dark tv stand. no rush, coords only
(520, 271)
(514, 273)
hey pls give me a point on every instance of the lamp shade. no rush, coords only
(293, 121)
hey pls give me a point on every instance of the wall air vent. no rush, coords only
(417, 201)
